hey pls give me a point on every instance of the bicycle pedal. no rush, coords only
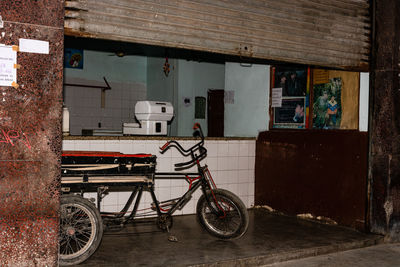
(172, 238)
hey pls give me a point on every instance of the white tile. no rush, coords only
(222, 163)
(177, 191)
(251, 176)
(243, 163)
(82, 145)
(252, 162)
(223, 149)
(233, 176)
(164, 165)
(252, 148)
(243, 189)
(233, 148)
(152, 147)
(243, 148)
(233, 163)
(233, 188)
(163, 183)
(163, 193)
(243, 176)
(224, 178)
(126, 146)
(111, 145)
(212, 148)
(188, 209)
(139, 147)
(216, 175)
(97, 145)
(178, 183)
(212, 163)
(123, 197)
(251, 189)
(68, 145)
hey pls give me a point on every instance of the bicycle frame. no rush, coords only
(202, 178)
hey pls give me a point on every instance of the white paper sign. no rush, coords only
(276, 98)
(8, 58)
(33, 46)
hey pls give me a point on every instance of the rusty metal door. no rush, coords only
(333, 33)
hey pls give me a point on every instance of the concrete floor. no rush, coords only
(270, 238)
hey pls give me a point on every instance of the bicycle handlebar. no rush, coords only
(190, 151)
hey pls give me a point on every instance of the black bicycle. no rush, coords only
(219, 211)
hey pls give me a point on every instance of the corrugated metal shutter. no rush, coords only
(331, 33)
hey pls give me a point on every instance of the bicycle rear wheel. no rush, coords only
(225, 217)
(81, 230)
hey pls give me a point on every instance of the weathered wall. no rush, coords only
(384, 172)
(323, 173)
(30, 136)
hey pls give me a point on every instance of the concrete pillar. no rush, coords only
(384, 168)
(30, 133)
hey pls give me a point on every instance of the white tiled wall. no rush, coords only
(85, 109)
(231, 164)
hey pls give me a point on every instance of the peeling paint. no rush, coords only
(388, 206)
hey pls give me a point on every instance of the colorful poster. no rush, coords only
(293, 81)
(73, 58)
(290, 97)
(327, 106)
(291, 113)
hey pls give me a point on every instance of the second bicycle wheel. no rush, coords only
(225, 217)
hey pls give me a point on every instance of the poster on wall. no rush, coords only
(327, 107)
(291, 113)
(8, 61)
(290, 105)
(293, 81)
(73, 58)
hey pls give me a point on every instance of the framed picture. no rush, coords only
(293, 81)
(290, 105)
(73, 58)
(291, 114)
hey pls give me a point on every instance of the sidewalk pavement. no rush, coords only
(383, 255)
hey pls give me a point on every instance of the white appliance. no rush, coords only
(153, 117)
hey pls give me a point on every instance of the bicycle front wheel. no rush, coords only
(81, 230)
(225, 216)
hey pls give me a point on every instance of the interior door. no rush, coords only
(215, 111)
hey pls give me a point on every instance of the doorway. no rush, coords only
(215, 112)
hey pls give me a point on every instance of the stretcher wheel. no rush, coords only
(81, 229)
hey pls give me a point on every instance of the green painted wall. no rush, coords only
(97, 65)
(195, 79)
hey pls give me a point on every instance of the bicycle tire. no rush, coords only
(81, 230)
(235, 221)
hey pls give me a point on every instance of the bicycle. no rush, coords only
(219, 211)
